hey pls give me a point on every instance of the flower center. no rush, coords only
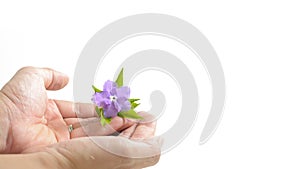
(113, 98)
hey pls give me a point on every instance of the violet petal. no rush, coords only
(124, 104)
(109, 86)
(123, 92)
(111, 111)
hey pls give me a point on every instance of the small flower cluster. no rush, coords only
(114, 101)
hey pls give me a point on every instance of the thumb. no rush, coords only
(110, 152)
(53, 79)
(134, 153)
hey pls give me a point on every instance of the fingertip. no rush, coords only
(147, 117)
(54, 80)
(146, 127)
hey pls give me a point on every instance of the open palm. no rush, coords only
(35, 120)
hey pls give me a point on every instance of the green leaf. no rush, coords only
(130, 114)
(133, 100)
(98, 111)
(134, 105)
(119, 80)
(103, 119)
(96, 89)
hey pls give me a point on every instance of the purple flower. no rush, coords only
(112, 99)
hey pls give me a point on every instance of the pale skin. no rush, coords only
(34, 129)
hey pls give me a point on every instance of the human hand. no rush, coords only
(30, 119)
(135, 147)
(129, 150)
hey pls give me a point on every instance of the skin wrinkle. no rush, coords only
(51, 82)
(66, 150)
(36, 138)
(129, 131)
(23, 90)
(8, 98)
(52, 105)
(53, 85)
(55, 135)
(60, 154)
(3, 128)
(8, 141)
(57, 107)
(16, 97)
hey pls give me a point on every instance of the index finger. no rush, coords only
(75, 110)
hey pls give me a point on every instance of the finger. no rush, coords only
(146, 128)
(129, 131)
(53, 80)
(92, 127)
(134, 154)
(75, 110)
(31, 78)
(110, 152)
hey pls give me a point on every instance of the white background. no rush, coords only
(258, 45)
